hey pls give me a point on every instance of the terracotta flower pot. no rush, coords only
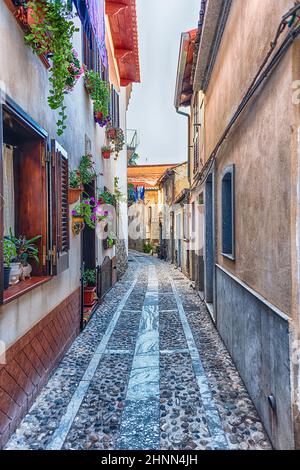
(74, 194)
(89, 296)
(31, 16)
(106, 154)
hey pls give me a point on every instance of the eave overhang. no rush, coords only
(184, 88)
(123, 24)
(215, 17)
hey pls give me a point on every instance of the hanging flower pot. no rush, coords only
(74, 194)
(106, 152)
(99, 119)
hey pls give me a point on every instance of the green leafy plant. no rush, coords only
(89, 278)
(106, 197)
(111, 239)
(98, 90)
(86, 169)
(25, 249)
(74, 179)
(52, 32)
(120, 197)
(147, 248)
(117, 138)
(106, 148)
(9, 251)
(90, 211)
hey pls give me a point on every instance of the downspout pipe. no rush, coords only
(189, 140)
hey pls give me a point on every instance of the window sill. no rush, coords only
(23, 287)
(227, 255)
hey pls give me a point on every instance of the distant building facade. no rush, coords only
(143, 200)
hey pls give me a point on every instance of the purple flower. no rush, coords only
(92, 199)
(86, 202)
(74, 212)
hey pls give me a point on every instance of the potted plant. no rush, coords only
(106, 151)
(89, 284)
(148, 248)
(75, 186)
(52, 30)
(117, 138)
(86, 170)
(26, 249)
(35, 15)
(9, 253)
(75, 71)
(87, 212)
(111, 240)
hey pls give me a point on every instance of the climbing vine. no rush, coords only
(51, 32)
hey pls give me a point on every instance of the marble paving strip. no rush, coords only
(212, 416)
(67, 419)
(140, 420)
(117, 351)
(174, 351)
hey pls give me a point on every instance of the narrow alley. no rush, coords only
(149, 372)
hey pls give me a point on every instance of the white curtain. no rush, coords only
(8, 190)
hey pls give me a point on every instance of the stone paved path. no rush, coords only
(149, 372)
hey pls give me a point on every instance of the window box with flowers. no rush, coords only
(51, 30)
(80, 177)
(98, 91)
(87, 213)
(115, 136)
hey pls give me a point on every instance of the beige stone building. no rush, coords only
(173, 216)
(143, 197)
(244, 119)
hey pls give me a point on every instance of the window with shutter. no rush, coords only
(114, 107)
(59, 210)
(24, 197)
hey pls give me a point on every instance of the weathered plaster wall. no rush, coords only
(259, 146)
(25, 80)
(264, 147)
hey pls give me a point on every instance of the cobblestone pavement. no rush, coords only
(149, 372)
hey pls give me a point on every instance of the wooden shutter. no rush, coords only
(59, 213)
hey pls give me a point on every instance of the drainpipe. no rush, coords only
(189, 140)
(189, 170)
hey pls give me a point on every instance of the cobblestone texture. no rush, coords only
(181, 421)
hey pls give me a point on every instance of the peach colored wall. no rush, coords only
(259, 146)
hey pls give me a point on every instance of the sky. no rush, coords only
(162, 132)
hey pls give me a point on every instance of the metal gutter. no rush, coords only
(189, 142)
